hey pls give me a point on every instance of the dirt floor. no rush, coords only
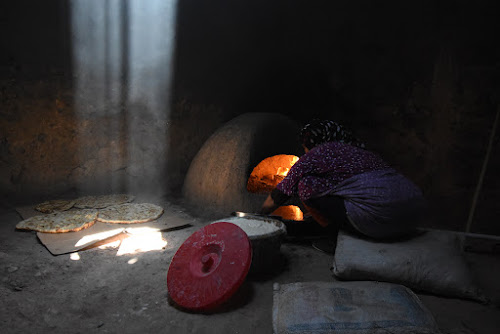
(102, 291)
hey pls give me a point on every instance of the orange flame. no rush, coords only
(269, 172)
(266, 176)
(282, 171)
(289, 212)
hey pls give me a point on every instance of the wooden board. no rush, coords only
(96, 235)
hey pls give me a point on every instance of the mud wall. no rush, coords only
(418, 80)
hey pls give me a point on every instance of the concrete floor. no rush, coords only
(104, 293)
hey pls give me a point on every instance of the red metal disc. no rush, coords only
(209, 266)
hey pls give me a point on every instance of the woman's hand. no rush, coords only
(269, 206)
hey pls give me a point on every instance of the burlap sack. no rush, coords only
(349, 308)
(431, 262)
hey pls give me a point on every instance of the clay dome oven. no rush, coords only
(240, 164)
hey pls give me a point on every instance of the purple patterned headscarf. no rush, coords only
(321, 131)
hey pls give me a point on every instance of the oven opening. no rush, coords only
(266, 176)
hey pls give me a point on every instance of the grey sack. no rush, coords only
(431, 262)
(349, 308)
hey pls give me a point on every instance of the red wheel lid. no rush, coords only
(209, 266)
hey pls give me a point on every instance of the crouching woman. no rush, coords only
(343, 185)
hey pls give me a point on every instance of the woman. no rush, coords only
(344, 185)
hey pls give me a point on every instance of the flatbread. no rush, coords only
(102, 201)
(130, 213)
(55, 205)
(60, 222)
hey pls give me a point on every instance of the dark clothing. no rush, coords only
(322, 168)
(378, 201)
(382, 204)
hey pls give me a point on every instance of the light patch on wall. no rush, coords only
(122, 53)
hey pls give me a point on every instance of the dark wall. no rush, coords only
(419, 80)
(34, 38)
(295, 56)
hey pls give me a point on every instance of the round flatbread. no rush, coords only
(60, 222)
(54, 206)
(102, 201)
(130, 213)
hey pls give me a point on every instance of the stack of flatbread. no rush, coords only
(75, 215)
(130, 213)
(99, 202)
(55, 206)
(60, 222)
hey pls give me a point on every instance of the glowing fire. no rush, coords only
(289, 212)
(266, 176)
(269, 172)
(282, 171)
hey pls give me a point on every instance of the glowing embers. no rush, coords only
(269, 172)
(266, 176)
(289, 212)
